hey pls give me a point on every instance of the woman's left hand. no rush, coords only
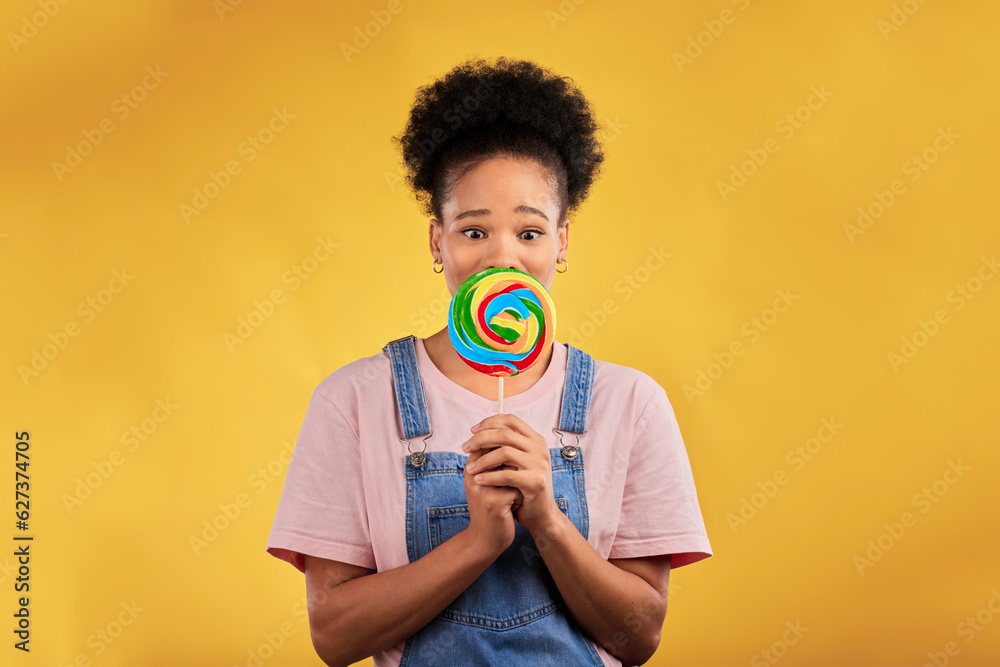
(504, 439)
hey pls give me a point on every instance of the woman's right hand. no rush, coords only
(491, 518)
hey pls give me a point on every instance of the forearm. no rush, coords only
(620, 610)
(375, 612)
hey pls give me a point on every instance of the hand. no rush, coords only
(521, 458)
(491, 519)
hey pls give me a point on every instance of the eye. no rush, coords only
(476, 234)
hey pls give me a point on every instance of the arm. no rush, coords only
(621, 602)
(355, 612)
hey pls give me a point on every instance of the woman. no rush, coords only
(433, 531)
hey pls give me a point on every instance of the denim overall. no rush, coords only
(513, 612)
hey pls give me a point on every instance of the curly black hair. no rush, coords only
(480, 110)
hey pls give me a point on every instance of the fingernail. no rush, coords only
(469, 468)
(465, 446)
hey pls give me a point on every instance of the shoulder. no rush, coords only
(623, 383)
(365, 376)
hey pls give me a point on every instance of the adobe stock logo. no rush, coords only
(779, 648)
(561, 13)
(249, 148)
(914, 167)
(60, 339)
(967, 628)
(901, 13)
(105, 636)
(752, 329)
(122, 107)
(926, 330)
(38, 20)
(104, 468)
(223, 7)
(381, 19)
(294, 277)
(714, 27)
(231, 510)
(796, 457)
(924, 500)
(787, 125)
(628, 285)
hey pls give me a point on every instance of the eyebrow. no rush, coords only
(521, 208)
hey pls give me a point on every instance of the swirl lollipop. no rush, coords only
(500, 322)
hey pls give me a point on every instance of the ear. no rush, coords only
(564, 238)
(434, 237)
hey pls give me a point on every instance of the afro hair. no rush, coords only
(480, 110)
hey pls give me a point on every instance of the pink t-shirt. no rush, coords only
(344, 493)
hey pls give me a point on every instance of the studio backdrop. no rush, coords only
(795, 234)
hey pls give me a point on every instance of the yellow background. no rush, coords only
(674, 130)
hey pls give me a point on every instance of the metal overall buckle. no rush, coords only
(417, 459)
(569, 452)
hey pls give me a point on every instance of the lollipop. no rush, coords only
(500, 322)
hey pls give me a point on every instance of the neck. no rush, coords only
(444, 356)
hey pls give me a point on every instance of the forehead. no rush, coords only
(503, 182)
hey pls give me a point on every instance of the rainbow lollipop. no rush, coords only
(500, 322)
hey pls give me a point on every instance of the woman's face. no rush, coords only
(501, 214)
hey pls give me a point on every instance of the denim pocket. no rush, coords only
(446, 522)
(514, 590)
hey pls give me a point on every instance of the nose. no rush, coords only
(502, 253)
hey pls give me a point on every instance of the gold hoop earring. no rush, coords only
(435, 263)
(564, 270)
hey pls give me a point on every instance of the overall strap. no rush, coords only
(577, 390)
(409, 387)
